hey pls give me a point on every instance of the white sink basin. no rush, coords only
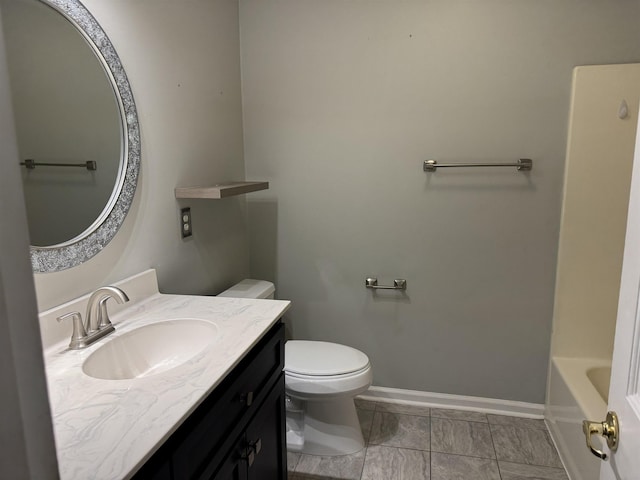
(150, 350)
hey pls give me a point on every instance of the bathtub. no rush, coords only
(578, 390)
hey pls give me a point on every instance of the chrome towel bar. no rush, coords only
(398, 284)
(523, 165)
(31, 164)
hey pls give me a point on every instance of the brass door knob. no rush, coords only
(610, 429)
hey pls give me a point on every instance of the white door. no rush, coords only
(624, 394)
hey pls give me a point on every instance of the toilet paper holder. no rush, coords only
(398, 284)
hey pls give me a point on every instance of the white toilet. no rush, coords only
(321, 380)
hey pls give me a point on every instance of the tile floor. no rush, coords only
(417, 443)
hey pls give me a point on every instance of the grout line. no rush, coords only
(364, 462)
(373, 414)
(298, 456)
(401, 448)
(533, 465)
(459, 420)
(430, 441)
(462, 455)
(368, 438)
(297, 462)
(493, 444)
(467, 456)
(407, 414)
(526, 427)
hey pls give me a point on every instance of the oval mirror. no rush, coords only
(76, 126)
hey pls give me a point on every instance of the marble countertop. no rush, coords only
(107, 429)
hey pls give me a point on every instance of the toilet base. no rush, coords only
(331, 427)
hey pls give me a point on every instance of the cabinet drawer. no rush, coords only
(200, 442)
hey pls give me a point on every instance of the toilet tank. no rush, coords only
(250, 288)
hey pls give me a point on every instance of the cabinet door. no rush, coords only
(203, 440)
(234, 467)
(265, 437)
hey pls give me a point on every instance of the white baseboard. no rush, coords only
(458, 402)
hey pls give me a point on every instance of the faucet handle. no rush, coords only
(79, 334)
(103, 315)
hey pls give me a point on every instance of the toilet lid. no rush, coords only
(322, 358)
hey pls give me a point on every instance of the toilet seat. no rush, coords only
(321, 387)
(312, 359)
(321, 378)
(320, 370)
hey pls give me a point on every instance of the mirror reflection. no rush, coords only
(66, 112)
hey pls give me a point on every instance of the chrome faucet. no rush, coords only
(97, 317)
(97, 323)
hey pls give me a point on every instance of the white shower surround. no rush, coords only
(573, 397)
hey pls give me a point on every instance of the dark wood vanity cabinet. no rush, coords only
(238, 432)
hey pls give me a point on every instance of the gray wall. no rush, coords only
(182, 59)
(343, 101)
(26, 435)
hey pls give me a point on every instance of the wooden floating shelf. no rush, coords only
(221, 190)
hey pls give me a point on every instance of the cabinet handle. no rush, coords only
(251, 450)
(256, 446)
(246, 398)
(248, 455)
